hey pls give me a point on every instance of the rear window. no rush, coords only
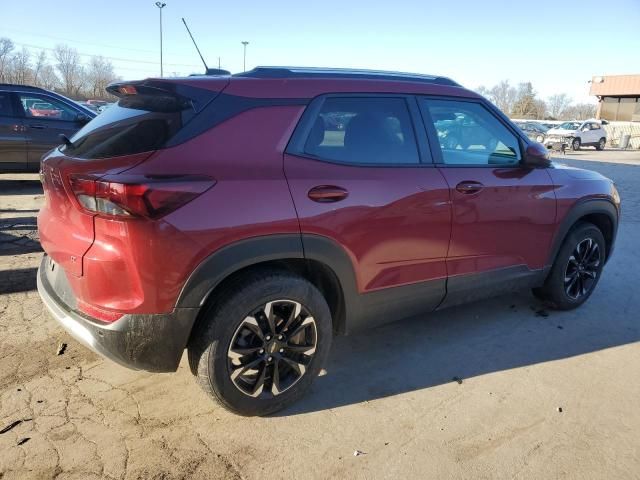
(363, 131)
(136, 124)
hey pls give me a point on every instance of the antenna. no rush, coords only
(206, 68)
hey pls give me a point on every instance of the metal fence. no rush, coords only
(615, 131)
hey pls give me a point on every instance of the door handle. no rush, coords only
(469, 187)
(327, 194)
(37, 126)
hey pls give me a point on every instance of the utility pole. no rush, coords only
(160, 6)
(244, 60)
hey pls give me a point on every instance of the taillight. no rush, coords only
(136, 195)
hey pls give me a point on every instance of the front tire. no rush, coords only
(260, 346)
(601, 144)
(575, 144)
(576, 270)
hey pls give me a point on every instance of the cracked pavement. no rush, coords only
(472, 392)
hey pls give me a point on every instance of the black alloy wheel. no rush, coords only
(582, 269)
(271, 349)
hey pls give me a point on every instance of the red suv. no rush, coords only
(248, 218)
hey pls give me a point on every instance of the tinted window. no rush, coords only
(469, 134)
(363, 131)
(45, 107)
(139, 123)
(6, 108)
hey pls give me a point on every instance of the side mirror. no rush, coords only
(82, 118)
(536, 156)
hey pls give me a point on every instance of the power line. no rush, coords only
(78, 41)
(118, 59)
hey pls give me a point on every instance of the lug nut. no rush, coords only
(281, 350)
(270, 359)
(268, 337)
(261, 351)
(280, 337)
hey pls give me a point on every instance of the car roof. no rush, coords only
(344, 73)
(14, 86)
(305, 82)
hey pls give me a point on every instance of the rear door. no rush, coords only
(503, 213)
(13, 143)
(358, 178)
(45, 119)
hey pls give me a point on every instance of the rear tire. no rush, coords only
(576, 270)
(260, 345)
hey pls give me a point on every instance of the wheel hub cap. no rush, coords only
(272, 348)
(582, 269)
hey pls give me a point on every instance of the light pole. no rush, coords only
(160, 6)
(244, 58)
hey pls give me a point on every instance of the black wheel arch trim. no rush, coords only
(581, 209)
(355, 311)
(232, 258)
(278, 247)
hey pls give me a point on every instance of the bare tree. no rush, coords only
(541, 108)
(484, 91)
(41, 62)
(525, 104)
(47, 78)
(21, 67)
(558, 104)
(6, 47)
(99, 74)
(70, 69)
(503, 96)
(581, 111)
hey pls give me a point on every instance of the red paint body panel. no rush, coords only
(395, 223)
(66, 231)
(511, 221)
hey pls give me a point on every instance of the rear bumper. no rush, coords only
(142, 342)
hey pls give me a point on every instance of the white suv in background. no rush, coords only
(578, 134)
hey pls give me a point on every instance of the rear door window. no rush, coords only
(363, 131)
(44, 107)
(136, 124)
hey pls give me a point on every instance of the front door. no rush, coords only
(45, 118)
(359, 181)
(13, 143)
(503, 213)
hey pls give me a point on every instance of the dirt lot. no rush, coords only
(388, 393)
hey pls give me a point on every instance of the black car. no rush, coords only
(534, 130)
(31, 121)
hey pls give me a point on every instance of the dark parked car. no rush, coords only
(236, 217)
(533, 130)
(31, 121)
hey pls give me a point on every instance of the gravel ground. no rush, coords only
(497, 389)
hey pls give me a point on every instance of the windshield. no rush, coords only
(569, 126)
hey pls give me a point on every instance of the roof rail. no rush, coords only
(309, 72)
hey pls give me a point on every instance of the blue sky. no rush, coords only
(557, 45)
